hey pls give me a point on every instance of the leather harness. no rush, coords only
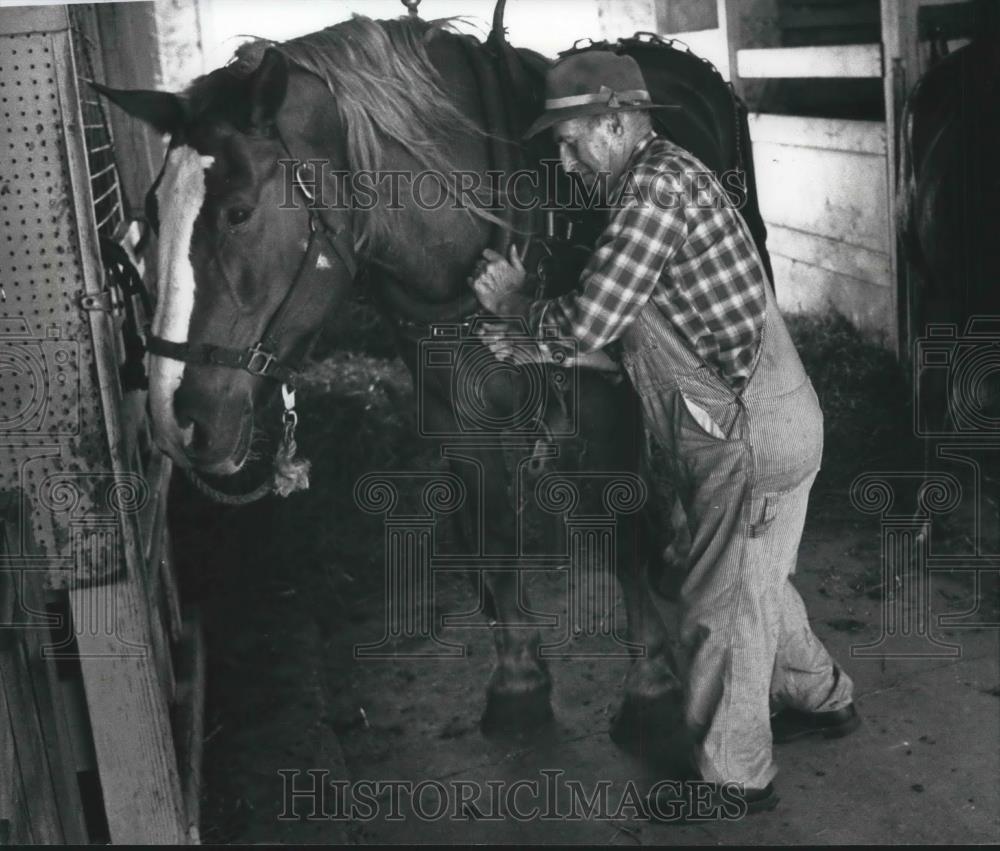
(261, 359)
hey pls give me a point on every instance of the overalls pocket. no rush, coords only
(711, 409)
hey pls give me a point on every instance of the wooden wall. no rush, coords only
(824, 197)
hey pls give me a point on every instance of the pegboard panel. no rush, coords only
(70, 488)
(51, 417)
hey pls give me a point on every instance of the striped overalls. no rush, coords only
(743, 467)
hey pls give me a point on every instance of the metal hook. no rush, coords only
(411, 6)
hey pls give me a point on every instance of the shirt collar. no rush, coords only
(641, 146)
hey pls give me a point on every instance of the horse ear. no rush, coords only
(268, 88)
(163, 110)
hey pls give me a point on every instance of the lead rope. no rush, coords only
(290, 473)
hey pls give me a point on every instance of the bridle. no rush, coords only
(261, 359)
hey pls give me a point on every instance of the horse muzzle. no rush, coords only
(206, 428)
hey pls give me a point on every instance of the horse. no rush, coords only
(249, 268)
(949, 218)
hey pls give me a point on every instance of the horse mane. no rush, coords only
(383, 84)
(385, 88)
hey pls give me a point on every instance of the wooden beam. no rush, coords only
(189, 712)
(829, 134)
(131, 61)
(708, 44)
(33, 19)
(833, 255)
(42, 819)
(840, 61)
(128, 714)
(900, 48)
(731, 36)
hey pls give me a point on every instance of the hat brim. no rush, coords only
(555, 116)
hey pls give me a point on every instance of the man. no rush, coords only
(677, 279)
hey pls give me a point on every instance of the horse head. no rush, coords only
(247, 266)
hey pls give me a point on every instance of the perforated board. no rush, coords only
(70, 491)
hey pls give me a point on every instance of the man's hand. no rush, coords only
(495, 336)
(498, 283)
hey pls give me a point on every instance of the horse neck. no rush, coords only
(425, 261)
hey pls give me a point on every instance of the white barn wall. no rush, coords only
(824, 198)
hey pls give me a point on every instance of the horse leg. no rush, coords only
(518, 696)
(651, 708)
(519, 689)
(651, 712)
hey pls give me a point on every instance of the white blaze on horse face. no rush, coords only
(179, 197)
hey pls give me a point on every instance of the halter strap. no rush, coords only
(261, 359)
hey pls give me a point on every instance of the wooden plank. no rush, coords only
(686, 17)
(157, 477)
(40, 802)
(189, 715)
(854, 15)
(131, 723)
(948, 20)
(803, 288)
(902, 51)
(55, 717)
(14, 827)
(834, 194)
(33, 19)
(708, 44)
(731, 35)
(165, 560)
(840, 61)
(622, 18)
(834, 255)
(830, 134)
(11, 795)
(131, 60)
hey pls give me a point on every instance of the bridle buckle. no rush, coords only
(260, 361)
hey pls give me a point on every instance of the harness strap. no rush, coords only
(255, 360)
(261, 359)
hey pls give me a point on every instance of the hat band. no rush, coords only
(609, 97)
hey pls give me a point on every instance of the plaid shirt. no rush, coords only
(673, 238)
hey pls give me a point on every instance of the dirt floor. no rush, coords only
(290, 588)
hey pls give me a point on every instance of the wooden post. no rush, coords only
(131, 61)
(730, 32)
(129, 716)
(624, 18)
(900, 71)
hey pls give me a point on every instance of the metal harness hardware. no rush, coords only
(261, 359)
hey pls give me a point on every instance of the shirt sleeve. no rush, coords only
(619, 277)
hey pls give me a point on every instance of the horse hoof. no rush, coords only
(516, 712)
(649, 727)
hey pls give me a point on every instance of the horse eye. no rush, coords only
(238, 215)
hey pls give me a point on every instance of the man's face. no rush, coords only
(592, 145)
